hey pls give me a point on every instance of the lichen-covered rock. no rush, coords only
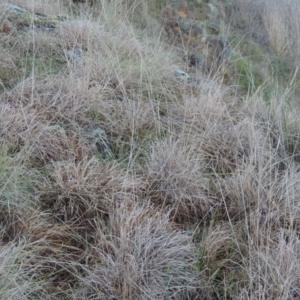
(99, 142)
(16, 17)
(186, 78)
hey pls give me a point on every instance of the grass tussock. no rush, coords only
(176, 177)
(120, 180)
(79, 191)
(141, 257)
(273, 22)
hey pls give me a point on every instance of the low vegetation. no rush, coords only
(129, 170)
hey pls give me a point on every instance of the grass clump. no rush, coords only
(79, 191)
(137, 243)
(16, 200)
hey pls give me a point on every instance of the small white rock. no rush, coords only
(181, 74)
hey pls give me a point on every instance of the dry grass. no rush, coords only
(272, 22)
(118, 181)
(178, 178)
(138, 255)
(80, 191)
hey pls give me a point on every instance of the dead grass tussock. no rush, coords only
(55, 99)
(198, 109)
(221, 250)
(16, 201)
(247, 176)
(45, 50)
(177, 178)
(13, 124)
(43, 262)
(131, 126)
(79, 191)
(128, 117)
(14, 284)
(26, 131)
(224, 137)
(140, 256)
(117, 61)
(54, 253)
(283, 32)
(8, 69)
(82, 33)
(278, 123)
(273, 272)
(46, 144)
(270, 192)
(226, 147)
(30, 53)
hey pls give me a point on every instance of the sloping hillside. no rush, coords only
(149, 149)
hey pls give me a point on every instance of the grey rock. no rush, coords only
(74, 54)
(186, 78)
(185, 25)
(181, 74)
(12, 8)
(214, 10)
(98, 139)
(196, 59)
(214, 28)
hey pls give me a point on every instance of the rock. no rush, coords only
(194, 80)
(9, 8)
(197, 60)
(74, 54)
(214, 10)
(98, 139)
(20, 18)
(181, 74)
(185, 77)
(184, 25)
(214, 28)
